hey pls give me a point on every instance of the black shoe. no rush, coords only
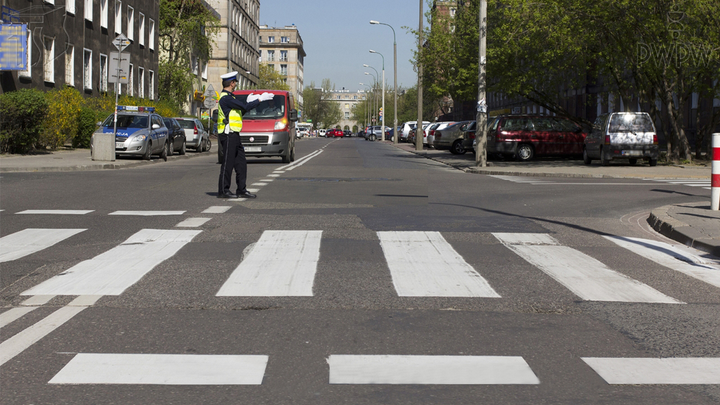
(226, 195)
(245, 194)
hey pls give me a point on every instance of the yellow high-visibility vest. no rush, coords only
(235, 118)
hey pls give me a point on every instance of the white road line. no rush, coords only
(217, 209)
(21, 341)
(112, 272)
(696, 370)
(451, 370)
(37, 300)
(300, 161)
(56, 212)
(163, 369)
(588, 278)
(423, 264)
(14, 314)
(267, 180)
(253, 190)
(147, 213)
(671, 257)
(282, 263)
(192, 222)
(273, 175)
(31, 240)
(259, 184)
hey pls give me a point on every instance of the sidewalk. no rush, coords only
(692, 224)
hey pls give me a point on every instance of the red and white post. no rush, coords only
(715, 195)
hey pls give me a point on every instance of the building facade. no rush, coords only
(71, 44)
(283, 49)
(347, 100)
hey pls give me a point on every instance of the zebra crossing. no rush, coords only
(284, 263)
(702, 183)
(540, 181)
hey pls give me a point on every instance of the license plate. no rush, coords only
(252, 149)
(632, 153)
(119, 145)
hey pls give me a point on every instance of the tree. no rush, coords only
(318, 107)
(270, 79)
(185, 30)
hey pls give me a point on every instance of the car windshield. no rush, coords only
(127, 121)
(186, 124)
(630, 123)
(274, 108)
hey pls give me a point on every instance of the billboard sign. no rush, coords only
(13, 46)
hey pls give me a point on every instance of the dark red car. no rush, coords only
(334, 133)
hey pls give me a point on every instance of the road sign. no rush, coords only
(119, 69)
(209, 103)
(121, 42)
(209, 91)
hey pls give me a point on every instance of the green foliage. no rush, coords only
(86, 125)
(22, 114)
(62, 117)
(318, 107)
(270, 79)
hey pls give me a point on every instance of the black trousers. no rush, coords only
(233, 159)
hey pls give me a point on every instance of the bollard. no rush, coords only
(715, 194)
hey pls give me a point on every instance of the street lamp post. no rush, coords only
(382, 129)
(375, 81)
(395, 123)
(419, 139)
(367, 107)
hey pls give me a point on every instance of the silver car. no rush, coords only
(140, 132)
(197, 137)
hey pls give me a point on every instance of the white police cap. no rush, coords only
(229, 76)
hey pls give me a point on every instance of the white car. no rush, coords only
(406, 127)
(430, 131)
(195, 134)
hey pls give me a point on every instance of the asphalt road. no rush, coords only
(427, 286)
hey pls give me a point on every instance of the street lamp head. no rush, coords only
(371, 51)
(367, 73)
(364, 65)
(374, 22)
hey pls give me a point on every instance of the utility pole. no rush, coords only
(418, 126)
(481, 116)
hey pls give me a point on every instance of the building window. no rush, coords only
(103, 12)
(50, 2)
(284, 40)
(103, 73)
(131, 24)
(283, 70)
(118, 17)
(87, 69)
(49, 59)
(70, 6)
(131, 82)
(347, 115)
(204, 71)
(151, 85)
(270, 56)
(283, 56)
(195, 65)
(141, 82)
(151, 34)
(70, 65)
(28, 56)
(141, 29)
(271, 39)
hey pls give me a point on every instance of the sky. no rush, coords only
(337, 37)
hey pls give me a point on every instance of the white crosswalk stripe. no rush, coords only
(706, 184)
(31, 240)
(695, 370)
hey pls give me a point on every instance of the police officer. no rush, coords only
(229, 126)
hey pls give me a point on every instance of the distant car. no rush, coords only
(176, 136)
(334, 133)
(450, 138)
(347, 133)
(406, 127)
(622, 135)
(526, 136)
(436, 127)
(196, 136)
(140, 132)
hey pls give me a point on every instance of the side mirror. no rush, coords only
(215, 115)
(155, 126)
(293, 115)
(98, 123)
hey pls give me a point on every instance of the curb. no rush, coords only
(90, 167)
(679, 231)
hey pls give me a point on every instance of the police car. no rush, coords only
(140, 132)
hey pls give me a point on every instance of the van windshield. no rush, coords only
(631, 123)
(271, 109)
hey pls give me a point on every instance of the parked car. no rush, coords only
(334, 133)
(140, 132)
(176, 136)
(196, 136)
(527, 136)
(622, 135)
(406, 127)
(435, 127)
(469, 136)
(347, 133)
(373, 133)
(450, 138)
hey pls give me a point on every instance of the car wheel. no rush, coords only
(524, 152)
(653, 162)
(167, 148)
(457, 148)
(146, 155)
(292, 154)
(208, 145)
(170, 148)
(586, 158)
(286, 156)
(632, 161)
(182, 148)
(604, 158)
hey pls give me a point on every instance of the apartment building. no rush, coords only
(347, 100)
(283, 48)
(69, 43)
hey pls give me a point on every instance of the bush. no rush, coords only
(22, 114)
(86, 125)
(61, 123)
